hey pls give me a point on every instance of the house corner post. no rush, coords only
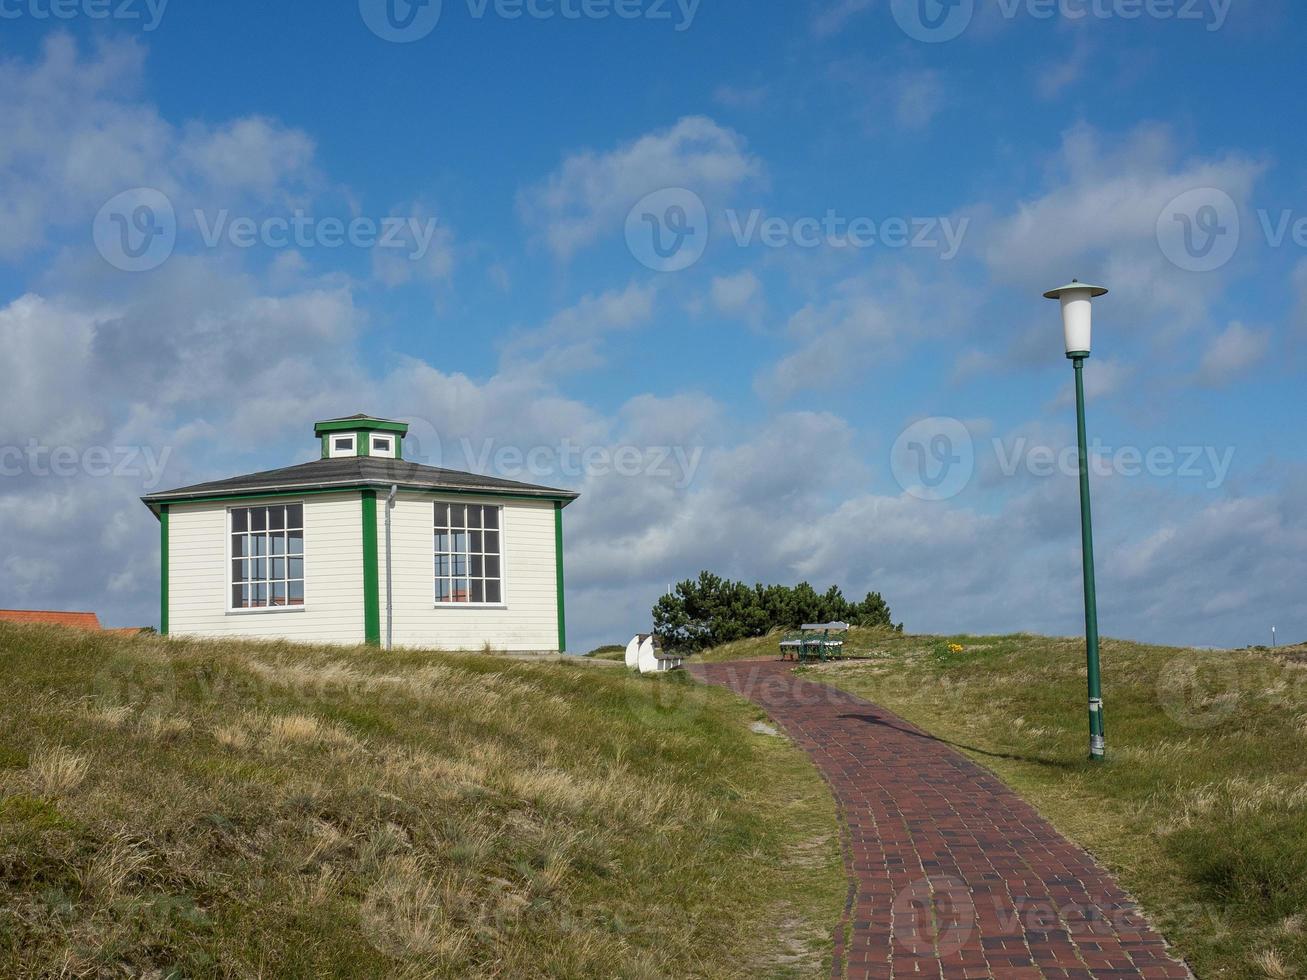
(371, 573)
(163, 569)
(558, 553)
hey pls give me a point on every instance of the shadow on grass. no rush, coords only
(917, 733)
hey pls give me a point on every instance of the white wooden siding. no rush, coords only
(199, 586)
(528, 620)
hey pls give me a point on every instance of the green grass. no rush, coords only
(1201, 811)
(611, 652)
(193, 809)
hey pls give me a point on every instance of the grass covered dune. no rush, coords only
(216, 809)
(1201, 810)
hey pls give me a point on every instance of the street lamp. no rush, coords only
(1077, 322)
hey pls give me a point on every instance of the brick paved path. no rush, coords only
(953, 875)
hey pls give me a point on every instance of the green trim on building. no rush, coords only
(326, 447)
(371, 573)
(163, 570)
(355, 488)
(558, 557)
(360, 425)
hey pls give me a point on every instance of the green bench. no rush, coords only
(814, 642)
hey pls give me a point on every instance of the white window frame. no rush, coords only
(388, 452)
(503, 559)
(334, 452)
(233, 610)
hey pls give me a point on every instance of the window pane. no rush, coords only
(295, 516)
(460, 590)
(260, 543)
(297, 593)
(478, 591)
(381, 445)
(474, 516)
(258, 518)
(276, 518)
(492, 517)
(278, 543)
(491, 543)
(442, 541)
(457, 516)
(476, 566)
(238, 543)
(278, 568)
(279, 593)
(460, 565)
(474, 545)
(460, 541)
(493, 592)
(238, 597)
(442, 590)
(258, 569)
(295, 568)
(237, 570)
(443, 565)
(296, 542)
(492, 566)
(260, 595)
(442, 515)
(240, 519)
(344, 445)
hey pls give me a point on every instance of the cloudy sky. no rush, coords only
(762, 281)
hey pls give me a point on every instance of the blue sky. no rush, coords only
(887, 413)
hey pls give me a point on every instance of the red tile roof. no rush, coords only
(74, 620)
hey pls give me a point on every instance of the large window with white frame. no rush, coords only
(267, 556)
(469, 554)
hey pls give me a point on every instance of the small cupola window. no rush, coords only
(361, 435)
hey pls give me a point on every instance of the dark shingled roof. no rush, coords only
(357, 471)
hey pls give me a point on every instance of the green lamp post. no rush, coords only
(1077, 301)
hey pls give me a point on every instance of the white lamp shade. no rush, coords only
(1077, 314)
(1078, 320)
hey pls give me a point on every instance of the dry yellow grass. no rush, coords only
(240, 810)
(56, 771)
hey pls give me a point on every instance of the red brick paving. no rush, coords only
(953, 874)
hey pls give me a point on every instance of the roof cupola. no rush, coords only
(361, 435)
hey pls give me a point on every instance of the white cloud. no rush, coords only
(918, 97)
(742, 96)
(1232, 353)
(832, 15)
(1104, 376)
(74, 138)
(864, 321)
(738, 295)
(570, 340)
(588, 197)
(1054, 76)
(1100, 212)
